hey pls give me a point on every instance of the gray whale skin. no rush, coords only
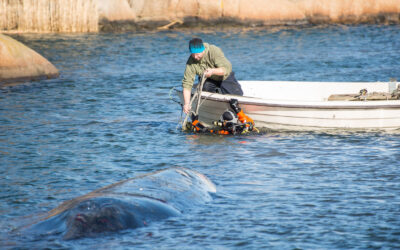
(127, 204)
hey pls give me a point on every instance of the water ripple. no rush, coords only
(108, 117)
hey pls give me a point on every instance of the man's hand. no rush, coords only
(217, 71)
(186, 108)
(208, 73)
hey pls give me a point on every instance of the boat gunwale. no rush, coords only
(247, 100)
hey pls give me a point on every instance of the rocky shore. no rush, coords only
(132, 15)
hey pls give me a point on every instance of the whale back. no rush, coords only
(129, 203)
(179, 187)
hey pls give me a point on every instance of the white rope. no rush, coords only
(198, 96)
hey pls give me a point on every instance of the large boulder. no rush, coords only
(19, 63)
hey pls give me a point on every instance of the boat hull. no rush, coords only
(306, 115)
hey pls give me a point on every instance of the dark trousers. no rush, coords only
(228, 86)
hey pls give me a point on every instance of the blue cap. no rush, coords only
(196, 46)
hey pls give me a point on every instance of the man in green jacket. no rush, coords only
(209, 60)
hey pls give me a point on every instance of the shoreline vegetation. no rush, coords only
(81, 16)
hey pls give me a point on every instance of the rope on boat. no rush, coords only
(198, 96)
(200, 90)
(180, 104)
(172, 98)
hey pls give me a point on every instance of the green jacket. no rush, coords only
(213, 58)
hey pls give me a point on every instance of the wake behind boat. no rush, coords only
(295, 105)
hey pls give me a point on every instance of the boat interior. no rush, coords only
(321, 91)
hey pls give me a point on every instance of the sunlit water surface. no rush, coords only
(109, 117)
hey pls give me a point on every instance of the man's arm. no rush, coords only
(223, 66)
(186, 98)
(187, 84)
(216, 71)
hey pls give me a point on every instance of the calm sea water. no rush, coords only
(109, 117)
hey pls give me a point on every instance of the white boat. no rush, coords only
(292, 105)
